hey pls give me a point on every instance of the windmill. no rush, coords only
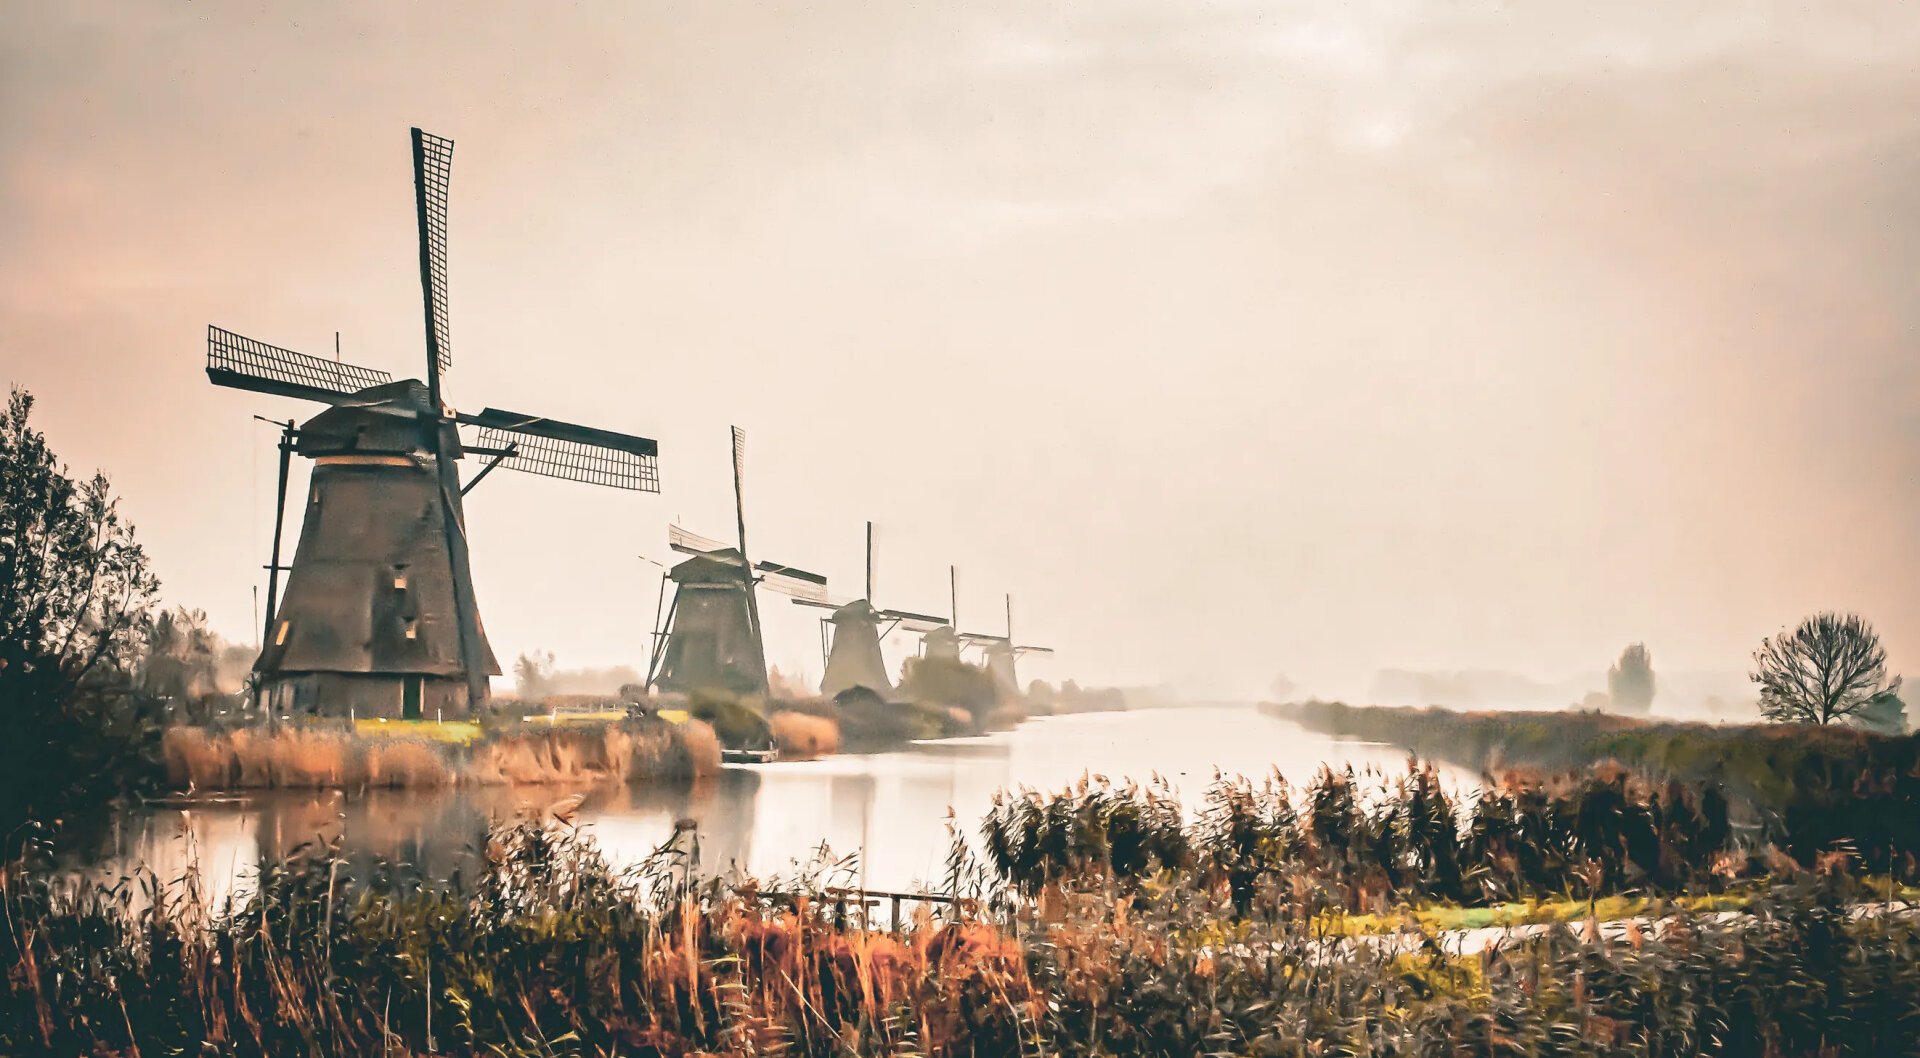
(850, 638)
(710, 636)
(1001, 653)
(379, 617)
(943, 641)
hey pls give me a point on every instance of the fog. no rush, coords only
(1229, 338)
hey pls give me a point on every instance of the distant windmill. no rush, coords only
(379, 616)
(1001, 654)
(851, 650)
(943, 641)
(710, 637)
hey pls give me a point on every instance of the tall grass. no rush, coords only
(1810, 788)
(548, 951)
(1333, 845)
(316, 758)
(801, 736)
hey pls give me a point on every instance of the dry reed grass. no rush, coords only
(801, 736)
(193, 760)
(699, 748)
(305, 758)
(408, 764)
(547, 952)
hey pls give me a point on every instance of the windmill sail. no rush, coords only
(380, 616)
(432, 173)
(688, 542)
(556, 449)
(797, 583)
(913, 622)
(240, 362)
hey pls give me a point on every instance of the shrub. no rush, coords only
(801, 736)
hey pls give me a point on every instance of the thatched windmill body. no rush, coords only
(851, 635)
(379, 617)
(709, 637)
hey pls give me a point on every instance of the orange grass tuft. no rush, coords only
(804, 737)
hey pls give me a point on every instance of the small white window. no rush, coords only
(400, 582)
(413, 630)
(280, 637)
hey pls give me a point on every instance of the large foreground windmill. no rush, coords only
(379, 616)
(851, 638)
(710, 636)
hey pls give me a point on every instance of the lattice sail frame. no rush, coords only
(688, 542)
(574, 460)
(795, 583)
(433, 172)
(233, 359)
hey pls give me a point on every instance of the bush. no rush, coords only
(801, 736)
(737, 721)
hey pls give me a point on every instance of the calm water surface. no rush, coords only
(889, 810)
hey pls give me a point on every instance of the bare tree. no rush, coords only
(1630, 682)
(1830, 668)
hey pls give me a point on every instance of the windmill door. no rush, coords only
(410, 698)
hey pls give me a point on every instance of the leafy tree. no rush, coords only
(1630, 681)
(1886, 714)
(1830, 668)
(188, 668)
(75, 592)
(949, 682)
(533, 675)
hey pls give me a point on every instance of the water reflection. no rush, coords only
(890, 810)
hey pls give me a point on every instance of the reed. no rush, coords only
(406, 764)
(1359, 843)
(802, 736)
(549, 951)
(1808, 788)
(695, 752)
(291, 757)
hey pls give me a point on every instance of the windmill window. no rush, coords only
(399, 582)
(280, 637)
(413, 629)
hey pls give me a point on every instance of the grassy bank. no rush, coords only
(1765, 760)
(1810, 787)
(549, 952)
(431, 755)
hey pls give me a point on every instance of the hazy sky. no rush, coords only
(1231, 338)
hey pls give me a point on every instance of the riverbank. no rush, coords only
(1761, 760)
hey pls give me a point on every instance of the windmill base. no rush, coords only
(392, 696)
